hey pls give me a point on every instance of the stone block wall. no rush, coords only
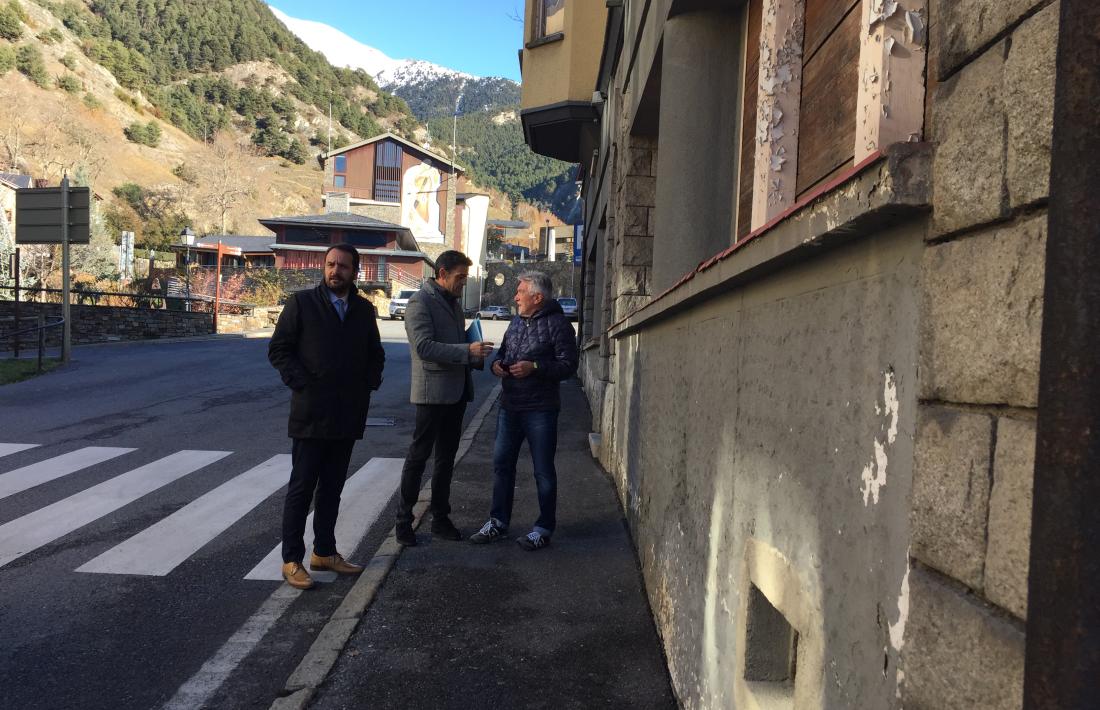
(990, 113)
(564, 276)
(97, 324)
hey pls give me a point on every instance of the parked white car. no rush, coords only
(568, 307)
(494, 313)
(398, 304)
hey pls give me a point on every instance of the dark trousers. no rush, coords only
(541, 431)
(320, 464)
(438, 426)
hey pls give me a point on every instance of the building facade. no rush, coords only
(393, 180)
(813, 290)
(389, 257)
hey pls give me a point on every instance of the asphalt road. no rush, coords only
(80, 639)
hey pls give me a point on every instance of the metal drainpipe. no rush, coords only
(1063, 626)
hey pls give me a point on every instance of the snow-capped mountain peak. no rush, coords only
(344, 51)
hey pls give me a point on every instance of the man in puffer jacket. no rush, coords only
(538, 352)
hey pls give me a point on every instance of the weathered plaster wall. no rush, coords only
(779, 417)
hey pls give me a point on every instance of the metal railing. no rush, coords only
(40, 329)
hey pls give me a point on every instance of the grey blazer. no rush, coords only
(437, 345)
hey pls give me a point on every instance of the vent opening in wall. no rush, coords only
(771, 653)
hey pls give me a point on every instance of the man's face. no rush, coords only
(339, 271)
(528, 300)
(453, 280)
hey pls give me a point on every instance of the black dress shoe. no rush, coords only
(405, 535)
(445, 529)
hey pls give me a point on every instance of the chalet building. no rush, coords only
(245, 251)
(9, 183)
(388, 254)
(813, 289)
(393, 180)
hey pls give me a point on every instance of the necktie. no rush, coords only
(340, 306)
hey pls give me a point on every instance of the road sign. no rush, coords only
(578, 243)
(38, 215)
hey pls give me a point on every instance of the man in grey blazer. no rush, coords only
(441, 387)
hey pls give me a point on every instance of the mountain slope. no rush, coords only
(489, 137)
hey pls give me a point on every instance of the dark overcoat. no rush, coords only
(330, 366)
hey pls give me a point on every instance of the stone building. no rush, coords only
(813, 291)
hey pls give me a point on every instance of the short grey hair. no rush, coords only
(539, 282)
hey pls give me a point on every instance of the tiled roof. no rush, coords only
(20, 182)
(242, 242)
(391, 136)
(336, 219)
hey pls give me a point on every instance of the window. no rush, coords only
(366, 239)
(550, 17)
(306, 235)
(387, 172)
(339, 171)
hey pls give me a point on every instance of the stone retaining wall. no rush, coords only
(96, 324)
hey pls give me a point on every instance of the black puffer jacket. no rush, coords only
(548, 339)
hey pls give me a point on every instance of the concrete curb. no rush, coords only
(326, 649)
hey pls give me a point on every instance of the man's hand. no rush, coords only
(498, 369)
(521, 369)
(481, 349)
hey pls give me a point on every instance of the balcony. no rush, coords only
(559, 64)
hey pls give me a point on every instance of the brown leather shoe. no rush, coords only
(296, 575)
(336, 563)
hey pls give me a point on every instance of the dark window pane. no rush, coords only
(341, 164)
(375, 240)
(307, 235)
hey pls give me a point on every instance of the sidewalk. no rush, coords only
(457, 625)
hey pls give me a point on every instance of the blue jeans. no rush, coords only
(541, 431)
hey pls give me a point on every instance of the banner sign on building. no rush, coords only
(578, 243)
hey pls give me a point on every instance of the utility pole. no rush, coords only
(66, 315)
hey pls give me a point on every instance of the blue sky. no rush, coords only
(475, 36)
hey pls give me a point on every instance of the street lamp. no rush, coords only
(188, 238)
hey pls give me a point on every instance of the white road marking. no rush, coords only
(201, 687)
(36, 474)
(161, 548)
(45, 525)
(6, 449)
(365, 494)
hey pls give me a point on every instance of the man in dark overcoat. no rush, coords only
(328, 351)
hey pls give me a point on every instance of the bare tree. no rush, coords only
(13, 114)
(225, 180)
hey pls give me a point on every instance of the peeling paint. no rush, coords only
(780, 83)
(897, 628)
(914, 28)
(882, 10)
(874, 473)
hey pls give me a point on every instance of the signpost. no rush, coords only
(55, 215)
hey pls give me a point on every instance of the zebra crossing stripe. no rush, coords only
(159, 549)
(36, 474)
(365, 494)
(6, 449)
(43, 526)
